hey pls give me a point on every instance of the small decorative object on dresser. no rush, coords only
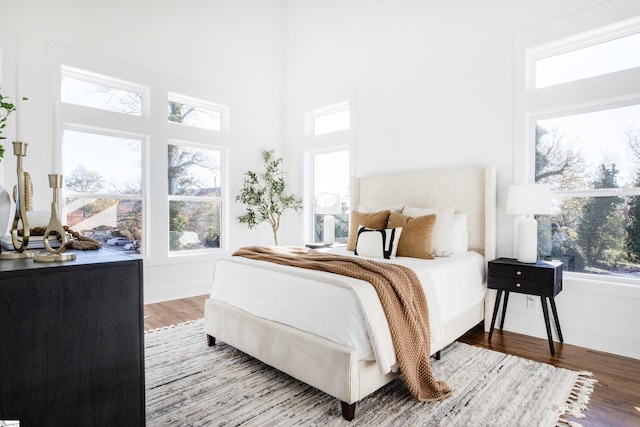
(542, 278)
(22, 198)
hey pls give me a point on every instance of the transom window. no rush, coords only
(603, 51)
(332, 118)
(196, 113)
(98, 91)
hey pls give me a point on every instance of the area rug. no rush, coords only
(191, 384)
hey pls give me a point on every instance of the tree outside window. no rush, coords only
(592, 162)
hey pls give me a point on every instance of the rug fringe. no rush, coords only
(577, 400)
(164, 328)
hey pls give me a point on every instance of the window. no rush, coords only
(97, 91)
(195, 202)
(104, 194)
(110, 182)
(332, 118)
(584, 140)
(592, 160)
(328, 132)
(196, 113)
(331, 193)
(616, 54)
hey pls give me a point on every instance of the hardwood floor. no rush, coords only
(616, 397)
(173, 312)
(615, 401)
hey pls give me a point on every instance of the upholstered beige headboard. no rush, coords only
(470, 190)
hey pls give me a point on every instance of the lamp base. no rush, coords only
(329, 230)
(528, 240)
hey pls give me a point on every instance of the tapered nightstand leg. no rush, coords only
(555, 316)
(495, 313)
(545, 311)
(504, 308)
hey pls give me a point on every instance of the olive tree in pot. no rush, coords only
(264, 195)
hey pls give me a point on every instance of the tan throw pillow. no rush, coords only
(441, 229)
(415, 240)
(375, 220)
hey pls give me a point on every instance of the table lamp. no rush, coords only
(328, 204)
(528, 200)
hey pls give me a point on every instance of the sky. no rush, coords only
(601, 135)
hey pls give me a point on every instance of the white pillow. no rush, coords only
(441, 229)
(377, 243)
(459, 234)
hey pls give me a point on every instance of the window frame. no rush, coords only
(310, 190)
(105, 80)
(311, 144)
(327, 110)
(599, 35)
(197, 102)
(601, 92)
(221, 199)
(154, 126)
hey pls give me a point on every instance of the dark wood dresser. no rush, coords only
(72, 341)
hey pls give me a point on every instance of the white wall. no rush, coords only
(434, 84)
(234, 47)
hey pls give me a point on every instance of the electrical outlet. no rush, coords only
(531, 302)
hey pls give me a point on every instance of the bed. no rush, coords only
(326, 330)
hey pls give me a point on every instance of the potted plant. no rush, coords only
(264, 195)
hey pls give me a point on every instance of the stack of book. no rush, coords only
(35, 242)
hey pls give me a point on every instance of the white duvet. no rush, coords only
(343, 309)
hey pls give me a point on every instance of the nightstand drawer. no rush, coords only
(521, 272)
(522, 286)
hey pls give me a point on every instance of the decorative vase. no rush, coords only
(5, 212)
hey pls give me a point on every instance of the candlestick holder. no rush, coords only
(20, 246)
(55, 226)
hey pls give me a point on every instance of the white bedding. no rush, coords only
(302, 299)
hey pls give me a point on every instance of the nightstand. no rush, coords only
(543, 279)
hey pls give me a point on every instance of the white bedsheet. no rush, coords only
(348, 312)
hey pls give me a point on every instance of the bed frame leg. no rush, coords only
(348, 411)
(437, 355)
(211, 341)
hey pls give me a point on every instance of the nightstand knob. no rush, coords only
(518, 285)
(518, 273)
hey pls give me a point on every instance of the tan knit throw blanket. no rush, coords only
(402, 299)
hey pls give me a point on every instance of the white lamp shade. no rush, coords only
(529, 199)
(328, 203)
